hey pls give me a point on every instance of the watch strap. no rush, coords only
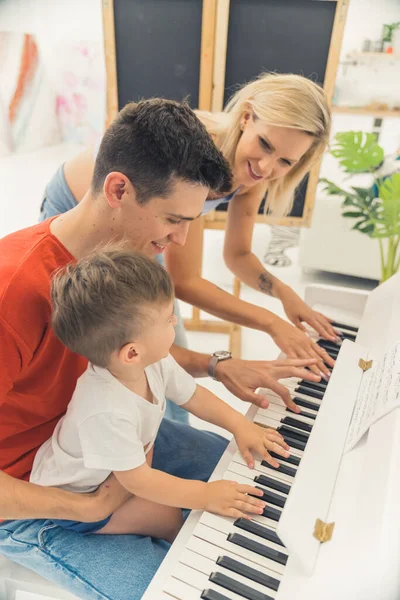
(214, 360)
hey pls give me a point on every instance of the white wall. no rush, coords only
(376, 79)
(60, 19)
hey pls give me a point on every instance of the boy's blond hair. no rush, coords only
(99, 303)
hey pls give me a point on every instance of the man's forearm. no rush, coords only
(210, 298)
(23, 500)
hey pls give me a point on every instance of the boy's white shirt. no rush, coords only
(107, 426)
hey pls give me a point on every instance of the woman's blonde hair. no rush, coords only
(285, 100)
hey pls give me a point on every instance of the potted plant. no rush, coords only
(387, 36)
(376, 210)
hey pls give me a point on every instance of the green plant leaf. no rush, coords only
(357, 152)
(353, 214)
(389, 192)
(368, 229)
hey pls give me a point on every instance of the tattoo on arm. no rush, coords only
(265, 283)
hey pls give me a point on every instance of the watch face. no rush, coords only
(222, 354)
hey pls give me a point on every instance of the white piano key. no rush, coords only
(220, 540)
(241, 469)
(303, 396)
(276, 405)
(298, 381)
(225, 525)
(207, 566)
(307, 396)
(280, 412)
(212, 552)
(239, 466)
(200, 581)
(181, 591)
(190, 576)
(272, 395)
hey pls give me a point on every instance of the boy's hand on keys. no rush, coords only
(262, 440)
(231, 499)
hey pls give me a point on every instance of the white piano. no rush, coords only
(286, 554)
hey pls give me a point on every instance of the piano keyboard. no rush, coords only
(245, 559)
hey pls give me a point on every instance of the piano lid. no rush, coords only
(310, 497)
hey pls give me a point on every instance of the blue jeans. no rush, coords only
(111, 567)
(58, 199)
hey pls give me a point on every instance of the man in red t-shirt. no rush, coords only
(154, 169)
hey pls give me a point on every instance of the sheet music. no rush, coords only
(379, 393)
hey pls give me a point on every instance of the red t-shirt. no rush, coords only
(37, 373)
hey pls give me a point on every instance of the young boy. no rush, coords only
(116, 309)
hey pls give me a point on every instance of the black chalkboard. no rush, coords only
(158, 49)
(285, 36)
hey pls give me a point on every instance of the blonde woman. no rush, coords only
(272, 132)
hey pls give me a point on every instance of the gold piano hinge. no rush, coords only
(365, 364)
(323, 531)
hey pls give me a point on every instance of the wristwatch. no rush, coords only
(216, 357)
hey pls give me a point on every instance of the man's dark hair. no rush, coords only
(153, 142)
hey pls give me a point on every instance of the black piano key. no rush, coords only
(328, 345)
(233, 565)
(301, 389)
(281, 469)
(291, 460)
(332, 353)
(302, 436)
(343, 326)
(293, 422)
(212, 595)
(306, 403)
(291, 441)
(261, 549)
(270, 497)
(259, 530)
(272, 483)
(271, 513)
(238, 588)
(304, 413)
(349, 336)
(315, 385)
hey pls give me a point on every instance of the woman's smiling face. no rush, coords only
(267, 152)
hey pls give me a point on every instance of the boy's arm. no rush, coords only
(227, 498)
(157, 486)
(210, 408)
(23, 500)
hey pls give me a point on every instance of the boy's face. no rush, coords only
(152, 226)
(159, 335)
